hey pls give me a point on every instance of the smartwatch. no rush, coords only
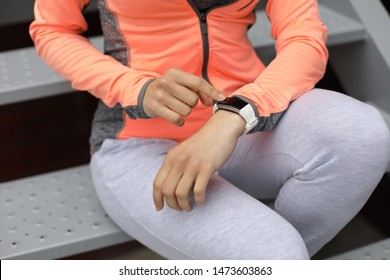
(239, 106)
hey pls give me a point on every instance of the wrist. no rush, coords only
(242, 107)
(228, 123)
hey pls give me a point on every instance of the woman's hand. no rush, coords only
(173, 95)
(189, 165)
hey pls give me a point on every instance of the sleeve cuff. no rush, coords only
(264, 123)
(137, 111)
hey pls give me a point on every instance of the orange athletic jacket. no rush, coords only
(145, 38)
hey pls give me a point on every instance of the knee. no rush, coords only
(289, 244)
(363, 136)
(377, 134)
(349, 129)
(284, 243)
(355, 144)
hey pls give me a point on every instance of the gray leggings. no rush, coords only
(319, 164)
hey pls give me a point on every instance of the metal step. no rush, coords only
(341, 30)
(24, 76)
(54, 215)
(376, 251)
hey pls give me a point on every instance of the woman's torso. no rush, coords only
(206, 37)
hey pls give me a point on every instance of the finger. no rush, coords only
(158, 182)
(178, 106)
(170, 116)
(183, 189)
(169, 188)
(207, 92)
(207, 101)
(198, 85)
(200, 188)
(186, 95)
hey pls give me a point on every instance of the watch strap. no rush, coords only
(241, 107)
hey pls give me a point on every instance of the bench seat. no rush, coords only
(54, 215)
(376, 251)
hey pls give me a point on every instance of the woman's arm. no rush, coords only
(57, 34)
(301, 58)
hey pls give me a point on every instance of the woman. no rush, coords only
(158, 148)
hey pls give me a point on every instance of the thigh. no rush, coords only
(230, 225)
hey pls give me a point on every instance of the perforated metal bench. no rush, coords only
(377, 251)
(57, 214)
(54, 215)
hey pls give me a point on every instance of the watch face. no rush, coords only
(234, 102)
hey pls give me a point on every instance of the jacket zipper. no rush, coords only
(205, 34)
(206, 46)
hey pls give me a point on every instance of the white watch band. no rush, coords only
(249, 116)
(247, 113)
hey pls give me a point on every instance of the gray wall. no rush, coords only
(17, 11)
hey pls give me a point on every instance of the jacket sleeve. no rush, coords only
(300, 62)
(57, 34)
